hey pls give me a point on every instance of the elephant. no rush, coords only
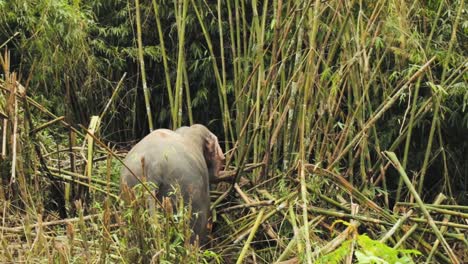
(188, 157)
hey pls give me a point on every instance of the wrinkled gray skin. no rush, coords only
(189, 157)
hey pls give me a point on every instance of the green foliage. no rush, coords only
(338, 255)
(159, 233)
(372, 252)
(369, 251)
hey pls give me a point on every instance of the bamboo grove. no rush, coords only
(344, 124)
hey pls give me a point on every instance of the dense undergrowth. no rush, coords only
(344, 123)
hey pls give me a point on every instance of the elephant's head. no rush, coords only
(201, 137)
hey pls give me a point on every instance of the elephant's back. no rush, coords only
(143, 155)
(163, 156)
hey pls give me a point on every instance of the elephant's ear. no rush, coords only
(214, 155)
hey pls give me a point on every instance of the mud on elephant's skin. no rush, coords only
(188, 157)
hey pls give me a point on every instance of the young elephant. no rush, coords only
(187, 157)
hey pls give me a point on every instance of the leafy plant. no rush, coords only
(374, 252)
(369, 251)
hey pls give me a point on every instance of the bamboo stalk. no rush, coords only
(20, 229)
(353, 191)
(406, 235)
(43, 109)
(429, 142)
(146, 92)
(453, 37)
(165, 59)
(221, 89)
(114, 94)
(83, 183)
(251, 236)
(14, 114)
(447, 186)
(47, 124)
(188, 97)
(180, 6)
(392, 157)
(437, 242)
(4, 137)
(396, 226)
(93, 128)
(442, 223)
(435, 206)
(249, 205)
(337, 241)
(446, 212)
(83, 177)
(380, 112)
(294, 241)
(413, 107)
(297, 234)
(341, 215)
(409, 232)
(9, 39)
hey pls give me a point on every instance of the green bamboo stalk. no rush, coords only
(93, 129)
(458, 235)
(221, 44)
(288, 133)
(450, 224)
(415, 97)
(47, 124)
(251, 236)
(408, 134)
(447, 186)
(180, 7)
(166, 67)
(257, 37)
(437, 206)
(84, 183)
(327, 212)
(234, 38)
(429, 142)
(82, 177)
(292, 243)
(187, 96)
(310, 69)
(409, 232)
(392, 158)
(304, 205)
(443, 229)
(146, 92)
(453, 38)
(114, 94)
(14, 116)
(382, 109)
(297, 233)
(239, 73)
(396, 226)
(405, 236)
(222, 95)
(233, 44)
(422, 111)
